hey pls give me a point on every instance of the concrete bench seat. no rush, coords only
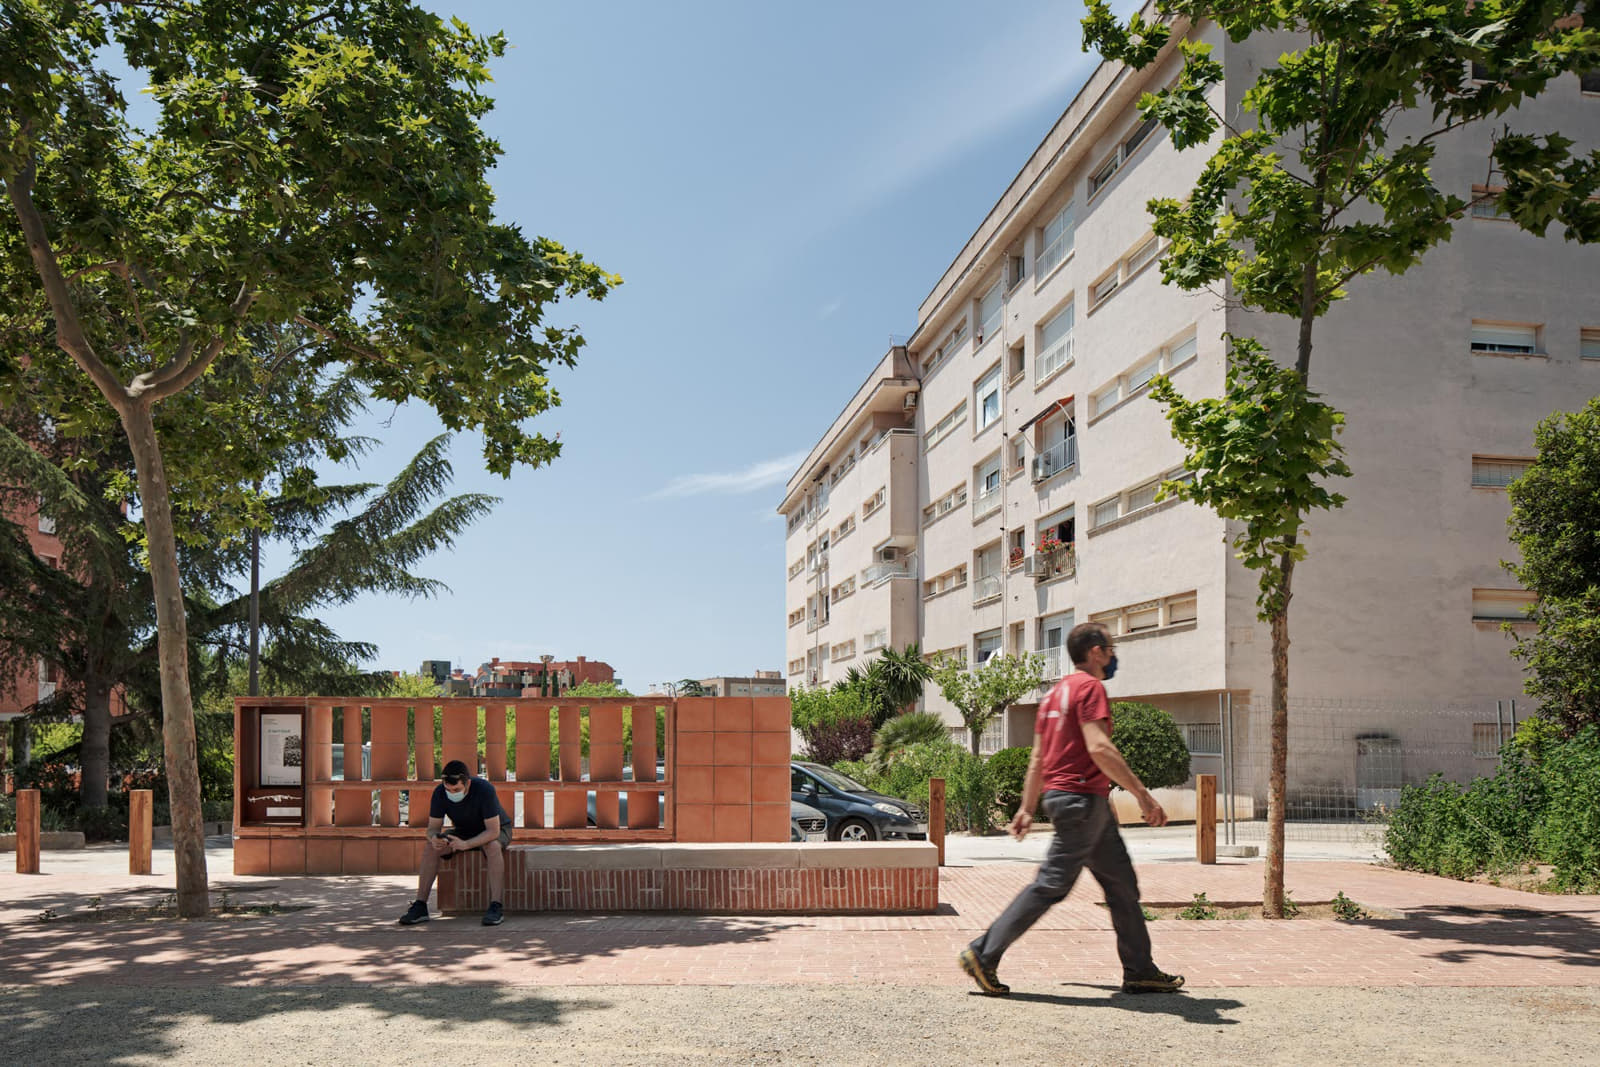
(741, 878)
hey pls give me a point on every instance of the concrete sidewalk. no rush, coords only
(1447, 934)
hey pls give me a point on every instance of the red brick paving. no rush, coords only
(1448, 933)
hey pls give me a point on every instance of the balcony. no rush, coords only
(881, 572)
(1057, 563)
(813, 625)
(1055, 665)
(985, 503)
(1053, 359)
(987, 587)
(818, 565)
(1057, 458)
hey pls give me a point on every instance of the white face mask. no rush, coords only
(456, 798)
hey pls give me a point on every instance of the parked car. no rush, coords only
(855, 813)
(806, 823)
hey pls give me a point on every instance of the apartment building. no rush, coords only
(758, 684)
(851, 520)
(1037, 451)
(37, 681)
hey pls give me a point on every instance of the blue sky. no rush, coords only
(780, 186)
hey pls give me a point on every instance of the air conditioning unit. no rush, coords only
(911, 401)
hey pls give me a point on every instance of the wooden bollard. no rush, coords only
(141, 828)
(936, 815)
(27, 831)
(1205, 818)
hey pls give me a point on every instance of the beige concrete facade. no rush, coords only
(1031, 359)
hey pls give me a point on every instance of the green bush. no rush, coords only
(1007, 770)
(1568, 835)
(903, 730)
(1151, 743)
(8, 814)
(836, 724)
(969, 797)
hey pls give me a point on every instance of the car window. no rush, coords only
(799, 781)
(839, 781)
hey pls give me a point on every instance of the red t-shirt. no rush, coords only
(1064, 757)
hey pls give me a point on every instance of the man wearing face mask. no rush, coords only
(1075, 764)
(477, 820)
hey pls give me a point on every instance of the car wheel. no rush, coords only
(856, 830)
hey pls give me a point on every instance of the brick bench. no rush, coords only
(746, 879)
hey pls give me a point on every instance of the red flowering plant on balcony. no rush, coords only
(1050, 544)
(1016, 556)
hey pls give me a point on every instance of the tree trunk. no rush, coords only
(178, 739)
(972, 734)
(255, 609)
(96, 749)
(1278, 774)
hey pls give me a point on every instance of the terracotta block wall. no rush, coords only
(733, 769)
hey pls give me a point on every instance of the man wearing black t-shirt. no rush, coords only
(477, 820)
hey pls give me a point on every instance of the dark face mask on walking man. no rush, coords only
(1111, 668)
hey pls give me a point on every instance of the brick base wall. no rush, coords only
(864, 879)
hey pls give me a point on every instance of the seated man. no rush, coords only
(477, 820)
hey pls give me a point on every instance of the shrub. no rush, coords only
(1568, 834)
(1151, 744)
(969, 797)
(859, 771)
(1007, 770)
(904, 730)
(831, 742)
(8, 814)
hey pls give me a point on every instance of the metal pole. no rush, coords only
(1513, 716)
(1499, 726)
(1233, 777)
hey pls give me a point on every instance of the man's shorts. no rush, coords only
(505, 842)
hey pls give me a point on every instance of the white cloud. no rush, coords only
(756, 476)
(829, 309)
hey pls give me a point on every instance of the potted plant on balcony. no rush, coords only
(1016, 556)
(1055, 556)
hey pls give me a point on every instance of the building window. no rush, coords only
(1104, 287)
(1139, 257)
(1149, 615)
(1497, 473)
(1164, 360)
(1106, 512)
(847, 650)
(1182, 609)
(985, 645)
(1102, 177)
(986, 487)
(953, 343)
(1016, 271)
(986, 399)
(844, 589)
(1501, 605)
(796, 567)
(1055, 241)
(944, 583)
(1138, 135)
(986, 567)
(990, 307)
(797, 666)
(1057, 446)
(1018, 547)
(1485, 202)
(1017, 363)
(875, 501)
(944, 426)
(845, 528)
(797, 616)
(1060, 526)
(1055, 344)
(1019, 454)
(1589, 343)
(1504, 339)
(875, 640)
(944, 505)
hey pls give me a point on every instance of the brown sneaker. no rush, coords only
(1153, 983)
(987, 980)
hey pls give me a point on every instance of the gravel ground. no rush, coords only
(864, 1025)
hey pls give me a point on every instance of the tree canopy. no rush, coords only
(316, 170)
(982, 695)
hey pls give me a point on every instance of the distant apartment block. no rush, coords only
(511, 678)
(36, 681)
(994, 481)
(759, 684)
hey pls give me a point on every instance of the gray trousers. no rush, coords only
(1086, 836)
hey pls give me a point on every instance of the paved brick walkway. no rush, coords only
(1447, 933)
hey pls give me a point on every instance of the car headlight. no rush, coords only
(890, 809)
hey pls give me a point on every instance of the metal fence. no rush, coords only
(1348, 760)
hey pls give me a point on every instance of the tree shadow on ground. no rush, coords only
(1185, 1006)
(1468, 932)
(145, 1023)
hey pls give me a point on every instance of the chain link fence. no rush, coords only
(1349, 760)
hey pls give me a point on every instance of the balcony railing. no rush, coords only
(985, 502)
(1060, 456)
(813, 625)
(879, 572)
(1054, 658)
(1053, 359)
(1203, 738)
(986, 588)
(1058, 563)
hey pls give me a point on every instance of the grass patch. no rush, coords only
(1201, 909)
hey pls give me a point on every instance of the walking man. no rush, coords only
(1075, 764)
(477, 820)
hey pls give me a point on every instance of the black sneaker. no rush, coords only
(987, 980)
(1154, 983)
(493, 916)
(417, 913)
